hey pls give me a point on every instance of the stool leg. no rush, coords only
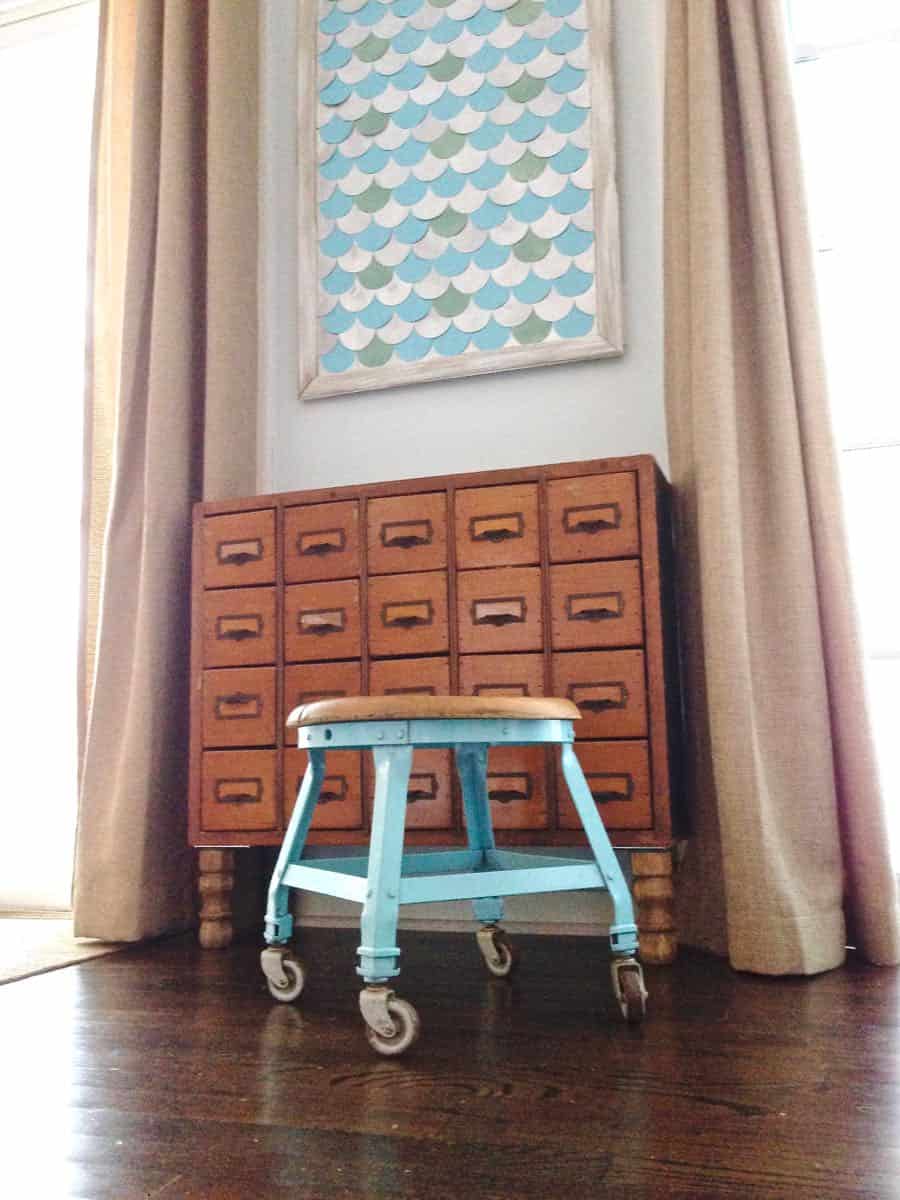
(378, 953)
(279, 923)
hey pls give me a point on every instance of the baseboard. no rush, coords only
(37, 914)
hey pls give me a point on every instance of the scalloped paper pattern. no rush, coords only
(455, 182)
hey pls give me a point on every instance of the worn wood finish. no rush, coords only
(653, 892)
(425, 706)
(164, 1072)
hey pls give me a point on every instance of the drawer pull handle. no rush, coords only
(236, 554)
(239, 628)
(421, 788)
(501, 689)
(599, 697)
(501, 527)
(592, 518)
(509, 787)
(238, 791)
(408, 615)
(321, 542)
(505, 610)
(403, 535)
(250, 705)
(599, 606)
(608, 786)
(321, 621)
(411, 691)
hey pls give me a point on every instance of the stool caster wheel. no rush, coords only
(392, 1024)
(285, 975)
(628, 985)
(499, 954)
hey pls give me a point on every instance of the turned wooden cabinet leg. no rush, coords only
(654, 898)
(215, 884)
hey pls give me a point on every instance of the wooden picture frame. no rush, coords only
(605, 337)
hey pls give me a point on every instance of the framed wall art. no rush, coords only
(457, 193)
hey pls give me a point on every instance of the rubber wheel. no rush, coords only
(294, 986)
(406, 1019)
(505, 962)
(634, 999)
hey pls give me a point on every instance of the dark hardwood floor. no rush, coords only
(166, 1071)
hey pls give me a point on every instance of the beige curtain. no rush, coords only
(790, 834)
(170, 418)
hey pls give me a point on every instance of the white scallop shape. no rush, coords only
(432, 286)
(353, 71)
(547, 104)
(466, 83)
(580, 57)
(462, 10)
(391, 137)
(392, 255)
(429, 207)
(508, 191)
(504, 73)
(428, 53)
(509, 232)
(467, 44)
(584, 219)
(552, 265)
(389, 26)
(549, 183)
(354, 144)
(547, 143)
(467, 121)
(391, 100)
(553, 307)
(353, 35)
(551, 224)
(324, 227)
(581, 137)
(586, 261)
(425, 17)
(472, 279)
(355, 260)
(507, 152)
(513, 312)
(392, 175)
(324, 188)
(432, 246)
(430, 129)
(392, 215)
(468, 200)
(579, 18)
(506, 112)
(544, 26)
(581, 97)
(357, 337)
(505, 35)
(353, 222)
(468, 159)
(353, 108)
(427, 92)
(473, 319)
(429, 168)
(434, 324)
(588, 302)
(355, 182)
(470, 239)
(357, 298)
(327, 303)
(390, 62)
(350, 6)
(397, 330)
(546, 64)
(394, 293)
(323, 151)
(512, 272)
(584, 177)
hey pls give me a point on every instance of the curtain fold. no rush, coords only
(157, 359)
(789, 856)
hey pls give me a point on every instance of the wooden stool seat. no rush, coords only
(430, 708)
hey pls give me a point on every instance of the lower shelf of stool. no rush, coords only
(451, 875)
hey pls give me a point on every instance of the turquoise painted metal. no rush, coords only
(385, 878)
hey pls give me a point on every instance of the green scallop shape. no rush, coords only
(531, 248)
(452, 302)
(372, 48)
(450, 222)
(372, 122)
(527, 168)
(446, 68)
(441, 3)
(373, 198)
(523, 12)
(532, 330)
(449, 143)
(376, 354)
(376, 275)
(525, 88)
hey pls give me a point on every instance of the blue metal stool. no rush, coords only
(385, 878)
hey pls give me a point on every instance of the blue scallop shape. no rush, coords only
(335, 56)
(337, 205)
(414, 308)
(411, 153)
(529, 208)
(452, 263)
(337, 282)
(410, 191)
(524, 50)
(485, 59)
(568, 119)
(375, 159)
(574, 283)
(371, 13)
(335, 22)
(484, 22)
(413, 348)
(573, 241)
(339, 320)
(449, 184)
(335, 167)
(451, 342)
(527, 127)
(566, 39)
(569, 160)
(410, 230)
(571, 199)
(491, 337)
(406, 8)
(488, 175)
(576, 324)
(491, 295)
(413, 269)
(338, 359)
(407, 39)
(489, 256)
(489, 216)
(336, 244)
(408, 77)
(371, 85)
(375, 314)
(373, 237)
(487, 136)
(561, 8)
(486, 98)
(336, 92)
(566, 79)
(532, 289)
(446, 30)
(410, 115)
(335, 131)
(448, 106)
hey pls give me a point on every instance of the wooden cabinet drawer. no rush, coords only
(321, 621)
(410, 677)
(305, 683)
(517, 787)
(321, 541)
(499, 610)
(618, 774)
(239, 707)
(497, 526)
(608, 688)
(340, 803)
(239, 549)
(593, 517)
(239, 790)
(239, 627)
(596, 605)
(408, 614)
(407, 533)
(501, 675)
